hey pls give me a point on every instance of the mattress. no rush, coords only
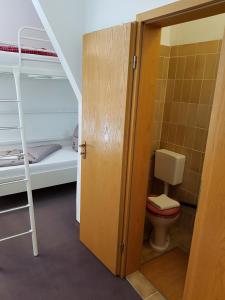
(32, 63)
(41, 51)
(65, 158)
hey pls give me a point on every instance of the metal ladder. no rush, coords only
(27, 179)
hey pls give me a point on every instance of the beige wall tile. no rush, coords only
(192, 110)
(200, 139)
(207, 92)
(178, 194)
(195, 91)
(181, 63)
(172, 68)
(174, 112)
(199, 68)
(211, 66)
(174, 51)
(182, 113)
(196, 161)
(165, 68)
(188, 49)
(186, 90)
(180, 135)
(189, 67)
(172, 129)
(203, 116)
(193, 183)
(207, 47)
(157, 131)
(167, 112)
(189, 137)
(164, 134)
(163, 90)
(178, 90)
(191, 198)
(187, 152)
(170, 90)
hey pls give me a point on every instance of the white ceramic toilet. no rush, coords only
(163, 211)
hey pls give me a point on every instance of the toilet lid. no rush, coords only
(165, 212)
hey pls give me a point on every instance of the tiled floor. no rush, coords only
(143, 287)
(167, 273)
(180, 243)
(162, 276)
(179, 237)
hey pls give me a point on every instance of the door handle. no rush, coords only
(83, 151)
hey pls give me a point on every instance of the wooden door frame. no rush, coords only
(148, 41)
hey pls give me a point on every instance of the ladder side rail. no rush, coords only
(17, 79)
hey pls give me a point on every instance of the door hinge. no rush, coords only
(122, 246)
(134, 62)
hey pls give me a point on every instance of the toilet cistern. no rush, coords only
(169, 167)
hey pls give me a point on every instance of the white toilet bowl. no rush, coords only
(161, 222)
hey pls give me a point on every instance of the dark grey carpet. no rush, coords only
(65, 269)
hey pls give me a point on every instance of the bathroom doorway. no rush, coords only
(187, 75)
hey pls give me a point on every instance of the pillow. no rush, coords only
(75, 139)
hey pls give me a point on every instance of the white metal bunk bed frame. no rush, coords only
(17, 71)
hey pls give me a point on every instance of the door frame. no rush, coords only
(148, 41)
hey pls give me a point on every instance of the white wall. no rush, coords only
(206, 29)
(15, 14)
(50, 108)
(64, 22)
(105, 13)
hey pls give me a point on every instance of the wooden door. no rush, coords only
(107, 83)
(206, 271)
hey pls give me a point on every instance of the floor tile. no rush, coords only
(140, 283)
(167, 273)
(156, 296)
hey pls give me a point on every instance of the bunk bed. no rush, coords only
(38, 62)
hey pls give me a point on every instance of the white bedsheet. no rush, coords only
(65, 158)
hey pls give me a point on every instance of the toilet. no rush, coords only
(163, 211)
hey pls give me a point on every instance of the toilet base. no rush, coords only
(160, 248)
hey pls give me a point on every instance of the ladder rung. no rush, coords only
(15, 236)
(9, 101)
(10, 128)
(14, 209)
(11, 182)
(35, 39)
(41, 59)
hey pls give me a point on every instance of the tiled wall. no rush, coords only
(160, 96)
(159, 104)
(189, 73)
